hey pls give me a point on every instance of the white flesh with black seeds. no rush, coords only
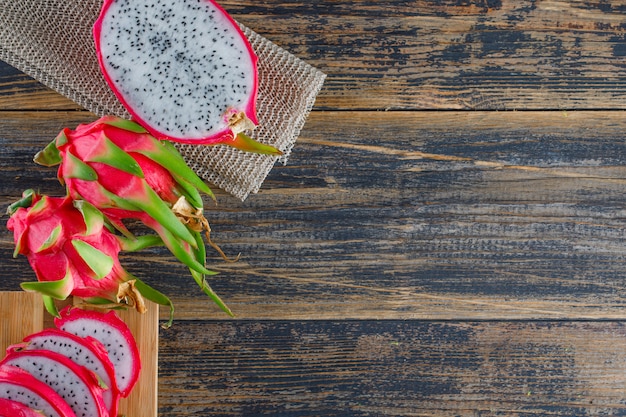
(25, 396)
(116, 346)
(62, 380)
(76, 353)
(180, 72)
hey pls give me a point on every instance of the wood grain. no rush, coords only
(447, 54)
(21, 314)
(455, 215)
(393, 368)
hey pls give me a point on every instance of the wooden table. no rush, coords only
(447, 238)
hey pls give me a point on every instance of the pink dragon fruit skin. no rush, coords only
(125, 172)
(84, 351)
(19, 385)
(10, 408)
(103, 162)
(78, 386)
(70, 251)
(114, 334)
(193, 80)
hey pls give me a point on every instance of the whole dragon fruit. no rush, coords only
(125, 172)
(75, 384)
(19, 385)
(72, 252)
(186, 73)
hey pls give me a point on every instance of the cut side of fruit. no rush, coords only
(184, 70)
(114, 334)
(19, 385)
(75, 384)
(87, 352)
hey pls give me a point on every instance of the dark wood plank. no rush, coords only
(435, 54)
(21, 92)
(448, 54)
(392, 368)
(442, 215)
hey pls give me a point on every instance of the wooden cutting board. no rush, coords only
(22, 313)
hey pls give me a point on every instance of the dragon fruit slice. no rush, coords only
(10, 408)
(75, 384)
(114, 334)
(184, 70)
(18, 385)
(84, 351)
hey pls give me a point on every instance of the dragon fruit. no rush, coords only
(84, 351)
(75, 384)
(118, 167)
(184, 70)
(10, 408)
(73, 253)
(114, 334)
(19, 385)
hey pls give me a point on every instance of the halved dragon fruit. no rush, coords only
(19, 385)
(10, 408)
(114, 334)
(184, 69)
(84, 351)
(75, 384)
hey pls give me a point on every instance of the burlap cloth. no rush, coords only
(51, 41)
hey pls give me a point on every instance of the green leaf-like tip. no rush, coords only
(61, 138)
(99, 262)
(125, 124)
(50, 305)
(39, 206)
(116, 157)
(137, 243)
(245, 143)
(157, 297)
(185, 254)
(49, 156)
(159, 211)
(206, 288)
(24, 202)
(51, 239)
(166, 155)
(75, 168)
(94, 219)
(59, 290)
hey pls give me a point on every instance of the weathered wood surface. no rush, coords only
(424, 260)
(394, 368)
(446, 215)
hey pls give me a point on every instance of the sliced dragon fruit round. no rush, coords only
(184, 69)
(19, 385)
(10, 408)
(78, 386)
(84, 351)
(114, 334)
